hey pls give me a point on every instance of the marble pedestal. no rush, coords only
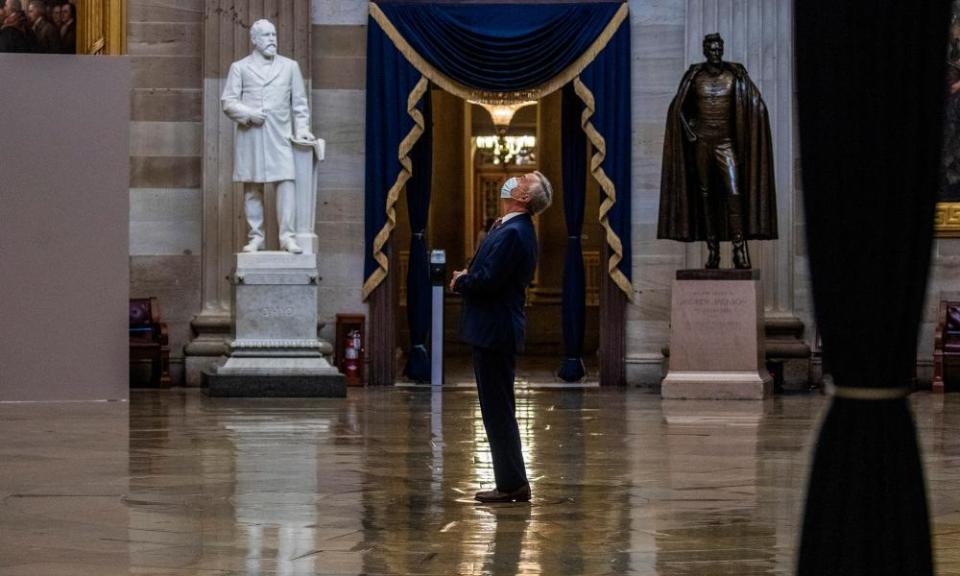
(717, 337)
(275, 350)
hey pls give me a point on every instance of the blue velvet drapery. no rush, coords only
(418, 270)
(574, 313)
(502, 47)
(390, 81)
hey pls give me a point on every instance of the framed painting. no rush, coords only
(947, 220)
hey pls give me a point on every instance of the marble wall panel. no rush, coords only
(166, 71)
(675, 251)
(646, 175)
(340, 73)
(656, 40)
(648, 142)
(166, 105)
(338, 117)
(339, 205)
(338, 12)
(649, 336)
(175, 282)
(654, 273)
(658, 12)
(165, 172)
(165, 221)
(164, 38)
(341, 253)
(166, 139)
(652, 107)
(165, 10)
(645, 234)
(656, 75)
(339, 57)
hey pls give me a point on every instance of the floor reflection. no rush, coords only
(382, 483)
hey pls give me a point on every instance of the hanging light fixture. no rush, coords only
(506, 147)
(502, 113)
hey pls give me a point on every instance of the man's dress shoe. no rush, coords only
(521, 494)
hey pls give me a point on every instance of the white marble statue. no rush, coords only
(265, 96)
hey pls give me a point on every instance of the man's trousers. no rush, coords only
(495, 372)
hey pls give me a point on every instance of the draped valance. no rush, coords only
(496, 53)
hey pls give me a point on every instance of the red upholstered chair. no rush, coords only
(149, 341)
(946, 346)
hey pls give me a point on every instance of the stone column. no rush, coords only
(759, 35)
(226, 38)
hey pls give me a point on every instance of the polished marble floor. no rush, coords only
(173, 483)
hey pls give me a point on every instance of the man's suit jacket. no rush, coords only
(47, 37)
(264, 153)
(494, 287)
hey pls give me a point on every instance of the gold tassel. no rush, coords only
(609, 189)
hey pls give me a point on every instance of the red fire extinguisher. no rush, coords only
(351, 357)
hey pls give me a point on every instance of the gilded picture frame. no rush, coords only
(946, 222)
(947, 217)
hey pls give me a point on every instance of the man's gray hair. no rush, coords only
(15, 5)
(257, 26)
(541, 194)
(38, 4)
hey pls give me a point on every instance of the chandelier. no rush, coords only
(505, 148)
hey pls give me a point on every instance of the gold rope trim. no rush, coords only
(483, 96)
(865, 393)
(406, 170)
(609, 189)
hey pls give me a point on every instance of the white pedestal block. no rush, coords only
(717, 337)
(275, 350)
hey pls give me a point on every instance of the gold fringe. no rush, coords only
(609, 189)
(467, 93)
(393, 195)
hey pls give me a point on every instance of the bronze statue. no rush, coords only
(717, 179)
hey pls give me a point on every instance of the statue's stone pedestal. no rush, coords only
(275, 350)
(717, 337)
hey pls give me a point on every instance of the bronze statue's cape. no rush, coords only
(681, 210)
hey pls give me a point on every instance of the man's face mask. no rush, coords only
(508, 187)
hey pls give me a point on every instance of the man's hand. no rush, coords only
(456, 276)
(257, 117)
(306, 135)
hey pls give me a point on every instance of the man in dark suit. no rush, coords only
(46, 36)
(494, 292)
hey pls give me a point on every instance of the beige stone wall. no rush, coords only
(165, 43)
(658, 34)
(339, 62)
